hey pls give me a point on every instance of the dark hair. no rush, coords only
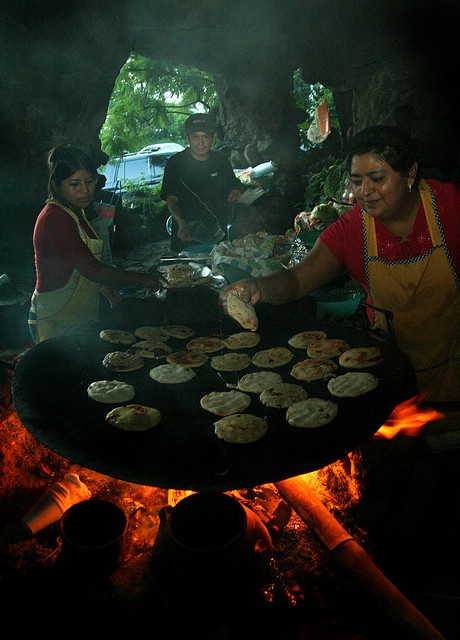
(389, 143)
(62, 162)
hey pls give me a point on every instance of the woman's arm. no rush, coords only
(280, 287)
(109, 275)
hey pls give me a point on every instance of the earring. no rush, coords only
(410, 188)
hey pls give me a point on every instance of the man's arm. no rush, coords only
(175, 210)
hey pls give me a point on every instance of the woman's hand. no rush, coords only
(152, 282)
(111, 294)
(247, 289)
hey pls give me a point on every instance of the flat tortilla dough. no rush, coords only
(224, 403)
(241, 428)
(134, 417)
(314, 369)
(110, 391)
(311, 413)
(282, 395)
(304, 338)
(242, 340)
(149, 349)
(231, 362)
(152, 333)
(181, 331)
(257, 381)
(352, 384)
(272, 358)
(327, 348)
(206, 344)
(117, 336)
(122, 361)
(171, 374)
(360, 357)
(187, 358)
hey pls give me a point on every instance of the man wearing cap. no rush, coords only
(198, 184)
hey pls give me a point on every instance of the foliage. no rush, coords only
(326, 181)
(150, 101)
(143, 218)
(140, 198)
(326, 178)
(308, 97)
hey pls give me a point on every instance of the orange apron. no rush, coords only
(76, 302)
(424, 297)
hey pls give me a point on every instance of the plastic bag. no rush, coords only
(251, 256)
(210, 233)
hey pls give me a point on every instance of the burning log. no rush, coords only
(354, 559)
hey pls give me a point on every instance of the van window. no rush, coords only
(157, 165)
(136, 169)
(112, 171)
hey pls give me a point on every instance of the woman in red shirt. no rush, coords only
(69, 273)
(401, 242)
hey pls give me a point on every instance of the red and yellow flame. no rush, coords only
(409, 417)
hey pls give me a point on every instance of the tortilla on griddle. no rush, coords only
(122, 361)
(257, 381)
(282, 395)
(206, 344)
(241, 428)
(152, 333)
(314, 369)
(117, 336)
(231, 362)
(110, 391)
(150, 349)
(327, 348)
(242, 340)
(304, 338)
(360, 357)
(352, 384)
(311, 413)
(171, 374)
(180, 331)
(187, 358)
(134, 417)
(272, 358)
(224, 403)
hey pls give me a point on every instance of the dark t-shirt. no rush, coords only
(202, 186)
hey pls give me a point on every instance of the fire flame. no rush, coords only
(408, 417)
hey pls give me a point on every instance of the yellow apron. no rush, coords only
(423, 295)
(76, 302)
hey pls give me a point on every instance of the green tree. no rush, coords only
(149, 102)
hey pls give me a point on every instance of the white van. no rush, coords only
(147, 166)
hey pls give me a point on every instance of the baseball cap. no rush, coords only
(200, 122)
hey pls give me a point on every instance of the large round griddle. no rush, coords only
(50, 397)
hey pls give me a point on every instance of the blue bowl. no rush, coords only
(339, 301)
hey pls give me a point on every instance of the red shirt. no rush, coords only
(345, 237)
(59, 249)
